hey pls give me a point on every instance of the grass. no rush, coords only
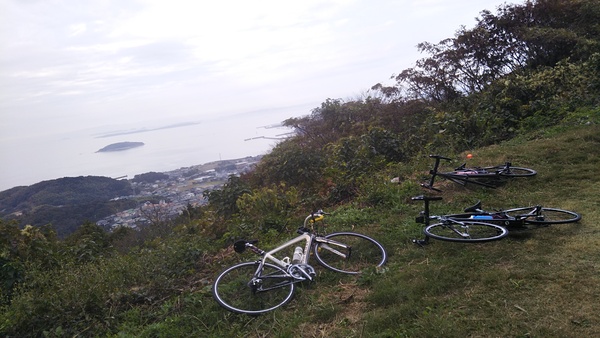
(538, 283)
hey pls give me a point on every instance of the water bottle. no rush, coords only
(297, 258)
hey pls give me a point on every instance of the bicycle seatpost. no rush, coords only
(426, 211)
(425, 240)
(433, 172)
(426, 200)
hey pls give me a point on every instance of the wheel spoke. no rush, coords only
(466, 231)
(238, 290)
(350, 252)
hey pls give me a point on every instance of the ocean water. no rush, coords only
(36, 159)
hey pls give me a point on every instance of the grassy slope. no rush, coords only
(538, 283)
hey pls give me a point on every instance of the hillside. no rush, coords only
(65, 202)
(62, 191)
(536, 283)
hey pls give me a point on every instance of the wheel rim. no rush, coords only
(474, 232)
(365, 253)
(232, 291)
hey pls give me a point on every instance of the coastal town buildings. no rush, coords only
(167, 198)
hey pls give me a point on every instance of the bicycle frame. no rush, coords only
(296, 271)
(462, 175)
(500, 217)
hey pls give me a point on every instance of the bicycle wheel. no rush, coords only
(545, 215)
(349, 252)
(513, 171)
(465, 231)
(233, 289)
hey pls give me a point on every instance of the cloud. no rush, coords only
(119, 57)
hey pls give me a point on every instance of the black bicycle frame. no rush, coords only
(456, 177)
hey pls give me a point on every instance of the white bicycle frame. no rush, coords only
(285, 263)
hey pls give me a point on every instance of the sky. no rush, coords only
(68, 65)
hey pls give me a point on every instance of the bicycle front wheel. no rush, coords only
(466, 231)
(243, 289)
(349, 252)
(544, 215)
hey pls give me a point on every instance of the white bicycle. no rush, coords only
(260, 286)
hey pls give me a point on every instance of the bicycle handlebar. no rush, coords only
(440, 157)
(316, 216)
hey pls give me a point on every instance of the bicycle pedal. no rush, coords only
(420, 242)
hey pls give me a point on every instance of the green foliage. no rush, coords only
(95, 296)
(224, 200)
(88, 243)
(533, 35)
(268, 208)
(292, 163)
(354, 158)
(24, 250)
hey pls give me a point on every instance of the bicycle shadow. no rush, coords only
(520, 234)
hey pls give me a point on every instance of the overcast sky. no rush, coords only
(76, 64)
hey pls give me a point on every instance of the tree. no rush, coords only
(23, 251)
(536, 34)
(88, 243)
(224, 200)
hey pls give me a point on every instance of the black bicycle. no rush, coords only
(455, 230)
(490, 225)
(519, 218)
(490, 177)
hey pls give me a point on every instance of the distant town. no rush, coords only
(169, 196)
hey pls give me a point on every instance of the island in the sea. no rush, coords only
(120, 146)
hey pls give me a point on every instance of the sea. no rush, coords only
(167, 146)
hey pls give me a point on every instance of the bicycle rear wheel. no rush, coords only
(233, 289)
(545, 215)
(349, 252)
(513, 171)
(465, 231)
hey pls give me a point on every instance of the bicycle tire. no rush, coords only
(364, 252)
(476, 232)
(545, 216)
(513, 171)
(231, 289)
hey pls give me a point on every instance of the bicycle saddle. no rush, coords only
(474, 208)
(461, 167)
(240, 246)
(426, 198)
